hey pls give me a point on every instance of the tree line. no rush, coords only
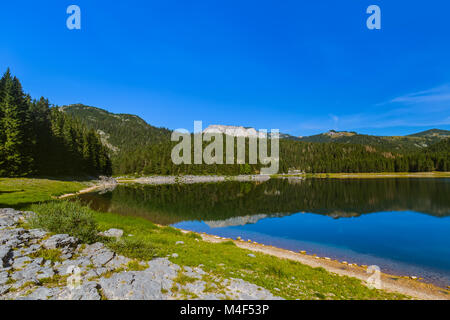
(37, 139)
(308, 157)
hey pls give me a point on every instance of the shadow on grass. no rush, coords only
(66, 178)
(11, 191)
(22, 206)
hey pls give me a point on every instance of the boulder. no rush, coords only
(60, 241)
(112, 233)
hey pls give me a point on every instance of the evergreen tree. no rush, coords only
(38, 139)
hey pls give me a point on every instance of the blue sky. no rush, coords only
(303, 67)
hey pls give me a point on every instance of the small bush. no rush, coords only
(68, 217)
(135, 249)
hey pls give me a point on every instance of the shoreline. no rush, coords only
(392, 283)
(187, 179)
(191, 179)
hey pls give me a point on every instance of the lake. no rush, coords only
(402, 225)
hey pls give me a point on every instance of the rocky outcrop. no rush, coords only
(36, 265)
(235, 131)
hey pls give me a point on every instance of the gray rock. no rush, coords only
(60, 241)
(65, 267)
(6, 222)
(9, 212)
(188, 271)
(163, 271)
(92, 249)
(4, 276)
(38, 261)
(134, 285)
(243, 290)
(179, 242)
(37, 233)
(98, 254)
(33, 272)
(12, 237)
(21, 283)
(251, 255)
(43, 293)
(117, 262)
(4, 289)
(66, 256)
(113, 233)
(6, 256)
(196, 287)
(102, 258)
(21, 262)
(87, 291)
(30, 250)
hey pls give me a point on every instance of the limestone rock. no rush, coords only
(60, 241)
(113, 233)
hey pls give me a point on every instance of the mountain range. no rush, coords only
(124, 132)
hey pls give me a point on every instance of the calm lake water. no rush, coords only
(401, 225)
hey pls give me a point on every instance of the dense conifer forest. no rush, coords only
(36, 139)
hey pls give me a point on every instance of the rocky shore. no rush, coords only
(38, 265)
(193, 179)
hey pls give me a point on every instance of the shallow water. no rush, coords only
(401, 225)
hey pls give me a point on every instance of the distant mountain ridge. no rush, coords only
(413, 142)
(126, 135)
(439, 133)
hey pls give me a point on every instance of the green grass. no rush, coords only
(54, 255)
(20, 192)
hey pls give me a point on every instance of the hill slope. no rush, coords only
(119, 132)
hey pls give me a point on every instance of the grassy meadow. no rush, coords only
(21, 192)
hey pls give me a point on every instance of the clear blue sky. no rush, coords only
(301, 66)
